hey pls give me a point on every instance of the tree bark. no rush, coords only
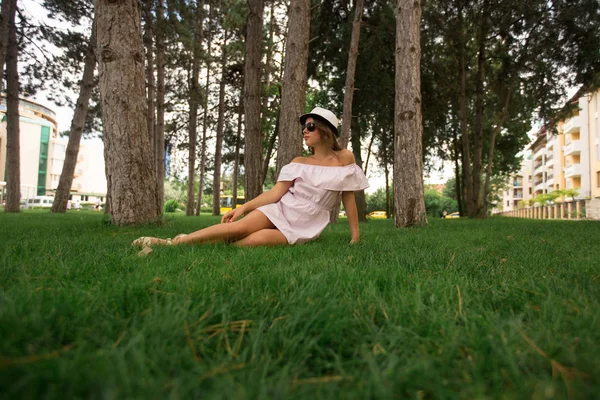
(150, 81)
(159, 134)
(220, 124)
(350, 72)
(270, 147)
(77, 124)
(205, 121)
(361, 202)
(5, 16)
(127, 144)
(409, 203)
(236, 162)
(194, 102)
(479, 110)
(13, 148)
(293, 92)
(253, 137)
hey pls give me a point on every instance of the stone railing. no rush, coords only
(571, 210)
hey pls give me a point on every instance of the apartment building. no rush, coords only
(567, 160)
(42, 155)
(519, 185)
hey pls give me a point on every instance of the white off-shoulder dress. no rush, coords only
(303, 212)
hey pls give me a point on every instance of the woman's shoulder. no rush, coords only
(346, 157)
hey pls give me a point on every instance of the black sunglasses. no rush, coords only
(309, 127)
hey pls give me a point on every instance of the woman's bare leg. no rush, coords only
(264, 237)
(229, 231)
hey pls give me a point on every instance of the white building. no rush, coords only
(42, 154)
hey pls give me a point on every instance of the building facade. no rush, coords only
(567, 160)
(42, 155)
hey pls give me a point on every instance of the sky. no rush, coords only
(65, 114)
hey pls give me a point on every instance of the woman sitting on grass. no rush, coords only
(297, 208)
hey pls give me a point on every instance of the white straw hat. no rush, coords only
(324, 115)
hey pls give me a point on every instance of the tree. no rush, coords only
(350, 72)
(253, 137)
(13, 148)
(194, 102)
(205, 120)
(159, 134)
(5, 15)
(294, 82)
(220, 123)
(409, 205)
(77, 125)
(130, 167)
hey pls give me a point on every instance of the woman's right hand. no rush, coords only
(232, 215)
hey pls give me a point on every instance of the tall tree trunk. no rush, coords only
(369, 150)
(127, 143)
(479, 110)
(13, 148)
(457, 175)
(194, 102)
(409, 203)
(293, 91)
(490, 156)
(159, 133)
(467, 178)
(81, 109)
(150, 81)
(350, 72)
(361, 203)
(220, 124)
(269, 55)
(5, 15)
(236, 162)
(205, 120)
(253, 137)
(386, 171)
(270, 147)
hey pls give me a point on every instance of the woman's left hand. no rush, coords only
(355, 240)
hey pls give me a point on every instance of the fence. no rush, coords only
(573, 210)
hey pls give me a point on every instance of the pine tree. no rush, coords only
(409, 204)
(128, 150)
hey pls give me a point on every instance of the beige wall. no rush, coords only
(594, 142)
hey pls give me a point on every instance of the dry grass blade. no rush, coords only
(190, 341)
(459, 301)
(238, 345)
(234, 326)
(34, 358)
(202, 318)
(568, 374)
(121, 336)
(221, 369)
(320, 379)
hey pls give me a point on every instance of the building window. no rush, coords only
(598, 179)
(507, 203)
(529, 190)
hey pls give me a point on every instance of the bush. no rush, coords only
(171, 205)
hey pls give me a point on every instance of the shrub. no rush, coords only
(171, 205)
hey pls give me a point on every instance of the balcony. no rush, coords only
(573, 147)
(572, 170)
(571, 125)
(539, 187)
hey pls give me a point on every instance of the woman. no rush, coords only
(297, 208)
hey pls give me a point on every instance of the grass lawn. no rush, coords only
(504, 308)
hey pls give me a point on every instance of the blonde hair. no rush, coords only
(326, 134)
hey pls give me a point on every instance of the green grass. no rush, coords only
(453, 310)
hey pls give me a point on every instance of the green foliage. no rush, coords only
(171, 206)
(435, 204)
(376, 200)
(455, 310)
